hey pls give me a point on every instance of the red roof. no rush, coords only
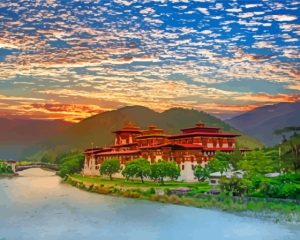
(129, 127)
(93, 150)
(123, 145)
(193, 146)
(204, 134)
(119, 152)
(219, 149)
(152, 135)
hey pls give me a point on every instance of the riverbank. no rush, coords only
(8, 175)
(274, 209)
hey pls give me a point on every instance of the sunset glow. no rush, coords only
(73, 59)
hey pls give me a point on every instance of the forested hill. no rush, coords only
(262, 122)
(98, 129)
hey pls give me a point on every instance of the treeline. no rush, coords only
(141, 168)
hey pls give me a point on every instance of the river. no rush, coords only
(37, 205)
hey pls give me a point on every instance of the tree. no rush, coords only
(4, 168)
(219, 163)
(71, 163)
(257, 162)
(235, 157)
(137, 168)
(290, 152)
(129, 171)
(109, 167)
(163, 169)
(201, 173)
(235, 186)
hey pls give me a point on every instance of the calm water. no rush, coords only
(38, 206)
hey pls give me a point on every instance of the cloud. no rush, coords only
(156, 53)
(284, 18)
(268, 98)
(203, 10)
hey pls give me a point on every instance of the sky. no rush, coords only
(70, 59)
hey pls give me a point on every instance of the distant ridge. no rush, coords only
(16, 135)
(98, 129)
(261, 122)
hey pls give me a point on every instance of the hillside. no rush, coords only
(261, 122)
(20, 134)
(98, 129)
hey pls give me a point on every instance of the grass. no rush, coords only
(277, 211)
(139, 184)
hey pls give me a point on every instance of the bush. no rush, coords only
(5, 169)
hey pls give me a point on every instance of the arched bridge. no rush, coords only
(22, 167)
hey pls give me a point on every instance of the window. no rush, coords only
(182, 167)
(213, 181)
(193, 167)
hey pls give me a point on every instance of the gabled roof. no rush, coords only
(129, 127)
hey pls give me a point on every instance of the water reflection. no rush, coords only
(38, 206)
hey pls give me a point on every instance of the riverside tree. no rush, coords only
(219, 163)
(71, 163)
(201, 173)
(162, 169)
(139, 168)
(109, 167)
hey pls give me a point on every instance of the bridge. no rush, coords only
(22, 167)
(17, 167)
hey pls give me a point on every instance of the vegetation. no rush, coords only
(201, 173)
(148, 191)
(259, 162)
(109, 167)
(219, 163)
(5, 169)
(162, 169)
(138, 168)
(71, 163)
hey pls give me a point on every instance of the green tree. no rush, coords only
(137, 168)
(290, 153)
(162, 169)
(109, 167)
(235, 186)
(129, 171)
(219, 163)
(235, 157)
(71, 163)
(257, 162)
(201, 173)
(5, 169)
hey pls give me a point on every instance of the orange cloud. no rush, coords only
(268, 98)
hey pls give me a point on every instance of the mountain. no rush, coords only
(261, 122)
(98, 129)
(18, 135)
